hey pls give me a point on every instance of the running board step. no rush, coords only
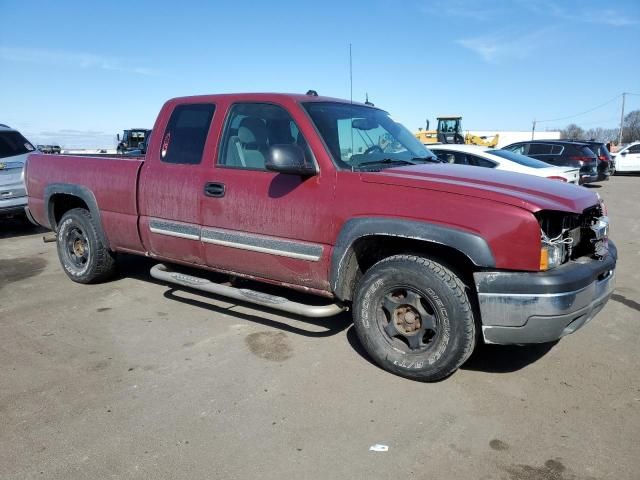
(161, 272)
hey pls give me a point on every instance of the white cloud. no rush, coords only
(70, 60)
(484, 10)
(499, 47)
(607, 16)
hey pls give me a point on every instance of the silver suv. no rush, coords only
(14, 149)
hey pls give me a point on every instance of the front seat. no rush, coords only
(252, 142)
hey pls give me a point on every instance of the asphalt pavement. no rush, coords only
(134, 379)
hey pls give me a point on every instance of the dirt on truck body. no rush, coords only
(338, 200)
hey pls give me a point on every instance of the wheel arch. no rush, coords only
(59, 198)
(364, 241)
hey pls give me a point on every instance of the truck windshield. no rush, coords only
(361, 137)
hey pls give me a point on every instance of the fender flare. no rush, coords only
(473, 246)
(79, 191)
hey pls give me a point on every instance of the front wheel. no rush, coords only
(412, 315)
(83, 255)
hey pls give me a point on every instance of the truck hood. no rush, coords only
(525, 191)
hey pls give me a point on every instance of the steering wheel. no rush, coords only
(372, 149)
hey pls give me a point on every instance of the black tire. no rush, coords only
(83, 255)
(413, 318)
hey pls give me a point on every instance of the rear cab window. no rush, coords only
(186, 133)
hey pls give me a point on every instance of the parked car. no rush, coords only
(503, 160)
(14, 149)
(336, 199)
(563, 153)
(606, 164)
(55, 149)
(628, 158)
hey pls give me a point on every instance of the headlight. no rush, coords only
(551, 256)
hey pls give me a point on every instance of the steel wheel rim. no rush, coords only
(408, 320)
(76, 248)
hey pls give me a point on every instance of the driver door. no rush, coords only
(261, 223)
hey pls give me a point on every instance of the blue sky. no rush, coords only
(77, 72)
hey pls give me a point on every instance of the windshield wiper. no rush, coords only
(386, 161)
(426, 159)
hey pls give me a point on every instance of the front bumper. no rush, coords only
(538, 307)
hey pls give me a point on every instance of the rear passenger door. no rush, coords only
(171, 182)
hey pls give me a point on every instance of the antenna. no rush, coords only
(367, 102)
(350, 75)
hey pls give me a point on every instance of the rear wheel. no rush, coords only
(413, 317)
(82, 253)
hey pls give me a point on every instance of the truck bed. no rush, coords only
(112, 181)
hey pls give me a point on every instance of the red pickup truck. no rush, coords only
(336, 199)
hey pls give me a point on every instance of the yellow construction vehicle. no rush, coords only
(450, 131)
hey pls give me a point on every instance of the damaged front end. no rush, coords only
(576, 279)
(569, 236)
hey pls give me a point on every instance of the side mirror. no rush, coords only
(289, 159)
(623, 153)
(118, 136)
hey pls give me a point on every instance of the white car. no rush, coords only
(503, 160)
(14, 149)
(628, 158)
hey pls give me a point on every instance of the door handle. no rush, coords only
(213, 189)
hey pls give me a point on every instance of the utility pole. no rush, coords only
(350, 75)
(621, 119)
(533, 129)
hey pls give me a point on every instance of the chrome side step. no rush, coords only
(161, 272)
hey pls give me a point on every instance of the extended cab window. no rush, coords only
(186, 133)
(251, 129)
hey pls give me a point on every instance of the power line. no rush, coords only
(582, 113)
